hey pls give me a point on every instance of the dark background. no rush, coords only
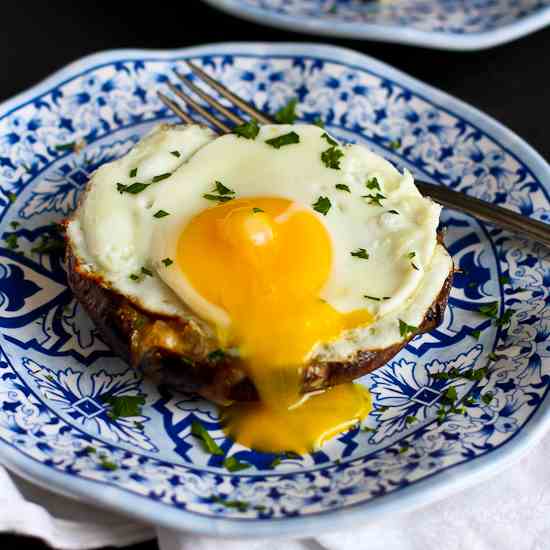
(508, 82)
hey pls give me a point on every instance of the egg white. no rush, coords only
(115, 234)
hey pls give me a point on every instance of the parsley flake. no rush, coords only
(219, 198)
(167, 262)
(123, 406)
(11, 241)
(476, 334)
(360, 253)
(107, 464)
(405, 328)
(221, 189)
(12, 197)
(505, 318)
(177, 154)
(489, 310)
(342, 187)
(133, 189)
(65, 146)
(331, 157)
(231, 464)
(318, 122)
(393, 212)
(411, 255)
(371, 298)
(161, 214)
(372, 183)
(410, 420)
(14, 224)
(134, 277)
(375, 199)
(239, 505)
(329, 139)
(89, 450)
(161, 177)
(487, 398)
(492, 356)
(322, 205)
(414, 266)
(285, 139)
(146, 271)
(395, 144)
(504, 280)
(257, 210)
(248, 130)
(133, 172)
(200, 432)
(287, 113)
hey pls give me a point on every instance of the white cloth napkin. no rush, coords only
(508, 512)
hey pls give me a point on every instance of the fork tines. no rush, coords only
(212, 102)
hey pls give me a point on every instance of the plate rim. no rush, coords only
(480, 40)
(420, 493)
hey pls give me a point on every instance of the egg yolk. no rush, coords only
(264, 261)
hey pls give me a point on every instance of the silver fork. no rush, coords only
(485, 211)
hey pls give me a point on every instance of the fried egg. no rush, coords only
(288, 245)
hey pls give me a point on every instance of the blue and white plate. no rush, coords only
(54, 367)
(444, 24)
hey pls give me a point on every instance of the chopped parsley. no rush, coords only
(414, 266)
(231, 464)
(138, 425)
(161, 214)
(404, 448)
(405, 328)
(493, 356)
(133, 189)
(146, 271)
(133, 172)
(134, 277)
(505, 318)
(52, 242)
(50, 378)
(221, 193)
(239, 505)
(216, 356)
(360, 253)
(123, 406)
(375, 199)
(275, 462)
(287, 113)
(487, 398)
(322, 205)
(318, 122)
(476, 334)
(12, 197)
(177, 154)
(210, 446)
(167, 262)
(372, 183)
(489, 310)
(11, 241)
(393, 212)
(221, 189)
(107, 464)
(331, 157)
(65, 146)
(248, 130)
(329, 139)
(395, 144)
(161, 177)
(257, 210)
(89, 450)
(474, 375)
(285, 139)
(219, 198)
(411, 255)
(14, 225)
(504, 279)
(410, 420)
(342, 187)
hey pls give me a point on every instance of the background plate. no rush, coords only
(444, 24)
(54, 368)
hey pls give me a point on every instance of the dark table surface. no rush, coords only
(509, 82)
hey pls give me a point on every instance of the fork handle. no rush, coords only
(501, 217)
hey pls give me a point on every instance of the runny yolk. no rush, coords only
(264, 261)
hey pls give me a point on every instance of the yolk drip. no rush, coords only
(264, 261)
